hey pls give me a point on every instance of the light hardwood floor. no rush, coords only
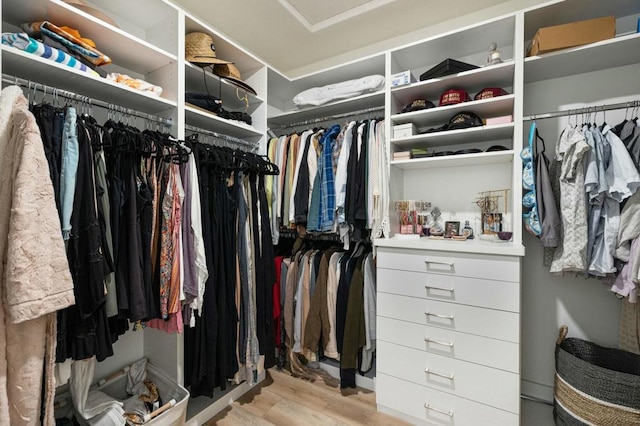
(285, 400)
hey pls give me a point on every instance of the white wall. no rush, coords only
(589, 309)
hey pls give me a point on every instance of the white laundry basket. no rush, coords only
(115, 387)
(168, 390)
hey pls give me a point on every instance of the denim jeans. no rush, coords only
(68, 170)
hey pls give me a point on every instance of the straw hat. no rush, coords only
(231, 73)
(199, 49)
(83, 6)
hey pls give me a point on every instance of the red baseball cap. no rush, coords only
(454, 96)
(490, 92)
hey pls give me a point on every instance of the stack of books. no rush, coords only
(402, 155)
(419, 153)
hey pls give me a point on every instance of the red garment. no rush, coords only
(276, 302)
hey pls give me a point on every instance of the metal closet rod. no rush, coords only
(220, 136)
(32, 85)
(331, 117)
(585, 110)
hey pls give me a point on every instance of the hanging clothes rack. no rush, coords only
(31, 85)
(222, 137)
(585, 110)
(330, 117)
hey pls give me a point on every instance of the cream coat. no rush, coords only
(34, 273)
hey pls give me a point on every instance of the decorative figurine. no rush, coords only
(494, 56)
(437, 228)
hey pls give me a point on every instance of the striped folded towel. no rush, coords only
(25, 43)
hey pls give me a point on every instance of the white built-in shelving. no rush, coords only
(461, 160)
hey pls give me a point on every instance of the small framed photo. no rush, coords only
(451, 229)
(491, 223)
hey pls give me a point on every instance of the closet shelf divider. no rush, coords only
(209, 121)
(126, 50)
(483, 158)
(500, 75)
(344, 106)
(492, 107)
(474, 134)
(606, 54)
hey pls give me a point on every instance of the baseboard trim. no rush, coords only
(361, 381)
(536, 390)
(223, 402)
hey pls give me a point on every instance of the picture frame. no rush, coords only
(491, 223)
(451, 229)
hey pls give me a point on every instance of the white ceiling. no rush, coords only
(292, 34)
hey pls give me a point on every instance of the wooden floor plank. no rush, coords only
(282, 399)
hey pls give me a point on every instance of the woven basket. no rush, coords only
(595, 385)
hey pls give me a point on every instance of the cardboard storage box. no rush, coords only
(574, 34)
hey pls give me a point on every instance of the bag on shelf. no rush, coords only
(595, 385)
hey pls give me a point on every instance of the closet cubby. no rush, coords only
(203, 80)
(435, 178)
(622, 50)
(283, 111)
(147, 43)
(595, 74)
(143, 46)
(473, 81)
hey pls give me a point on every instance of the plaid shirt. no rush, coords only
(327, 188)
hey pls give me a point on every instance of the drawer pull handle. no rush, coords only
(435, 373)
(450, 344)
(438, 262)
(449, 317)
(446, 413)
(450, 290)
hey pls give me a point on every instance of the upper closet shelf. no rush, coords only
(493, 107)
(205, 120)
(124, 49)
(474, 134)
(483, 158)
(365, 101)
(611, 53)
(473, 81)
(31, 67)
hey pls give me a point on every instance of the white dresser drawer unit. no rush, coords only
(432, 407)
(486, 385)
(503, 295)
(466, 347)
(468, 319)
(490, 267)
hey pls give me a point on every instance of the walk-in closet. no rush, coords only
(284, 212)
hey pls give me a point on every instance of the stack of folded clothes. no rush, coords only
(23, 42)
(66, 46)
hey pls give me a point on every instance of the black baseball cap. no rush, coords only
(461, 120)
(464, 120)
(417, 105)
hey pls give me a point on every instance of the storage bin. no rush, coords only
(595, 385)
(115, 387)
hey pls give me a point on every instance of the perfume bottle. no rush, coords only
(467, 231)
